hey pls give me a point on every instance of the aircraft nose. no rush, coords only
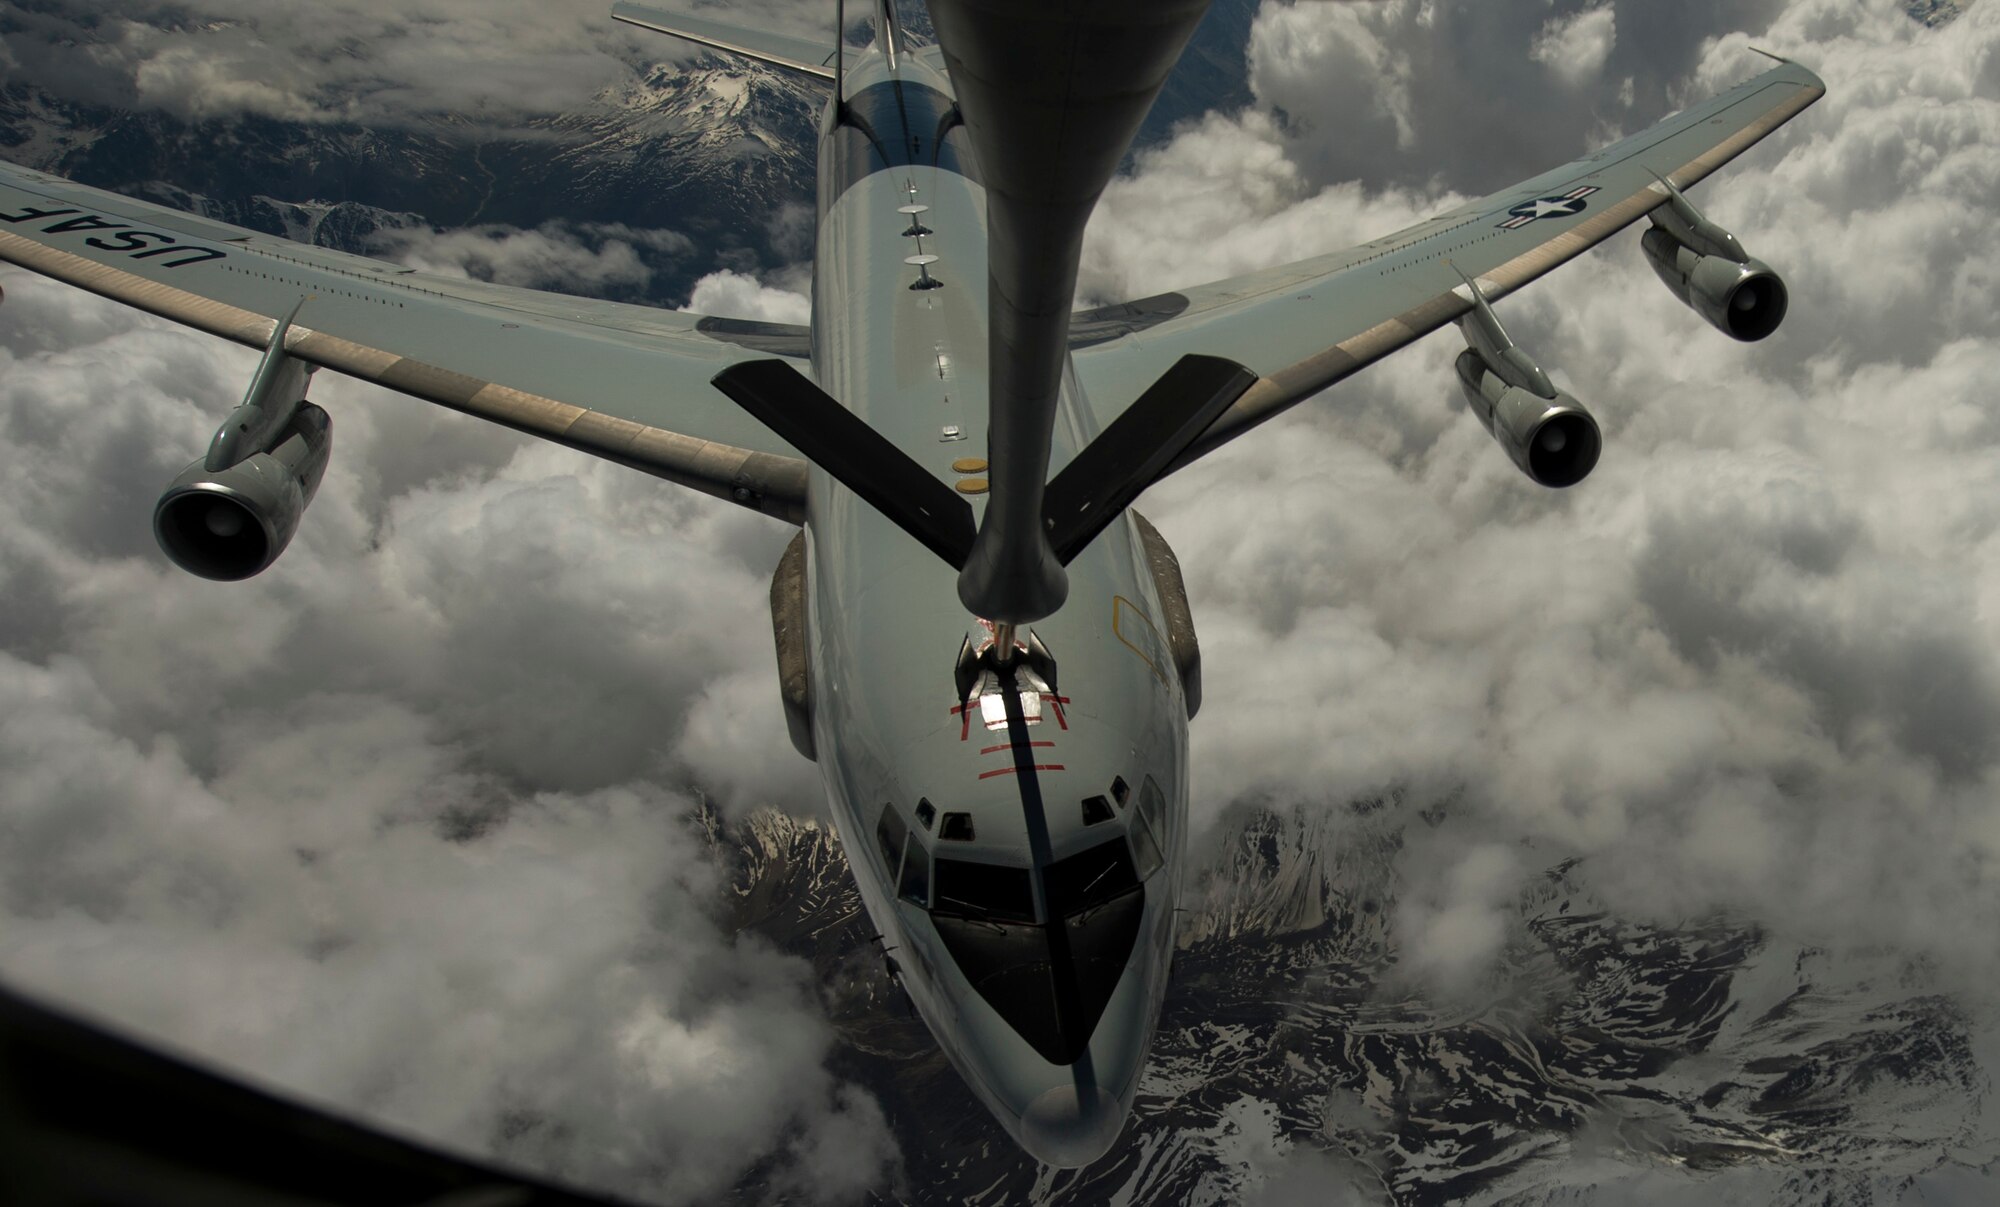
(1070, 1130)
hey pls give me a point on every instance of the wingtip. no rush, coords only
(1804, 74)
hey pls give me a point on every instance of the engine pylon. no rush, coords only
(231, 513)
(1548, 433)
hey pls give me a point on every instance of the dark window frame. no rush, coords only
(985, 886)
(1153, 807)
(915, 855)
(1090, 878)
(891, 849)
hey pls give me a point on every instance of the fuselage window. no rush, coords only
(926, 813)
(1089, 878)
(889, 835)
(1096, 809)
(1153, 807)
(983, 890)
(1145, 849)
(956, 827)
(916, 883)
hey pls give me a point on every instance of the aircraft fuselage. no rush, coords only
(998, 842)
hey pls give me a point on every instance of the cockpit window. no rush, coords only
(1096, 809)
(926, 813)
(1120, 791)
(889, 835)
(1145, 849)
(916, 883)
(1051, 982)
(1088, 879)
(1153, 806)
(956, 827)
(983, 891)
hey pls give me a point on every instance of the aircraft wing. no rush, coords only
(1304, 326)
(807, 57)
(626, 383)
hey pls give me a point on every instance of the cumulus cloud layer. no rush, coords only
(594, 260)
(1750, 665)
(401, 825)
(404, 828)
(1421, 91)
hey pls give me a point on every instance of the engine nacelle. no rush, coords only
(1707, 269)
(231, 524)
(1548, 433)
(1744, 300)
(1553, 439)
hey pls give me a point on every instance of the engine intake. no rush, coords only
(231, 524)
(1745, 301)
(1548, 433)
(230, 514)
(1707, 268)
(1554, 440)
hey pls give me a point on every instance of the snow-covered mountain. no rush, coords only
(1934, 12)
(721, 152)
(716, 153)
(1602, 1053)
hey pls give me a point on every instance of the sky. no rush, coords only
(400, 825)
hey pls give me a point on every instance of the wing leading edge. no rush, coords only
(805, 56)
(629, 384)
(1304, 326)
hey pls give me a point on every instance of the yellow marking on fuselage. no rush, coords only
(1120, 608)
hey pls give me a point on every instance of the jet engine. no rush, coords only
(230, 514)
(1547, 432)
(1707, 269)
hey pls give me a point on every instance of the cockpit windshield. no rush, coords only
(1089, 879)
(1050, 981)
(984, 891)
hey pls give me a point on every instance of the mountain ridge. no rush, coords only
(1619, 1048)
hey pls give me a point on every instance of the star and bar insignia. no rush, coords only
(1548, 207)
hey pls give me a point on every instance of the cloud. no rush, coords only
(348, 60)
(406, 827)
(590, 259)
(1453, 925)
(470, 62)
(739, 295)
(419, 793)
(1748, 667)
(1421, 92)
(1575, 48)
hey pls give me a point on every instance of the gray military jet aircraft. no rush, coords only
(994, 667)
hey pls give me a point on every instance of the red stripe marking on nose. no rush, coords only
(998, 749)
(1058, 701)
(987, 775)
